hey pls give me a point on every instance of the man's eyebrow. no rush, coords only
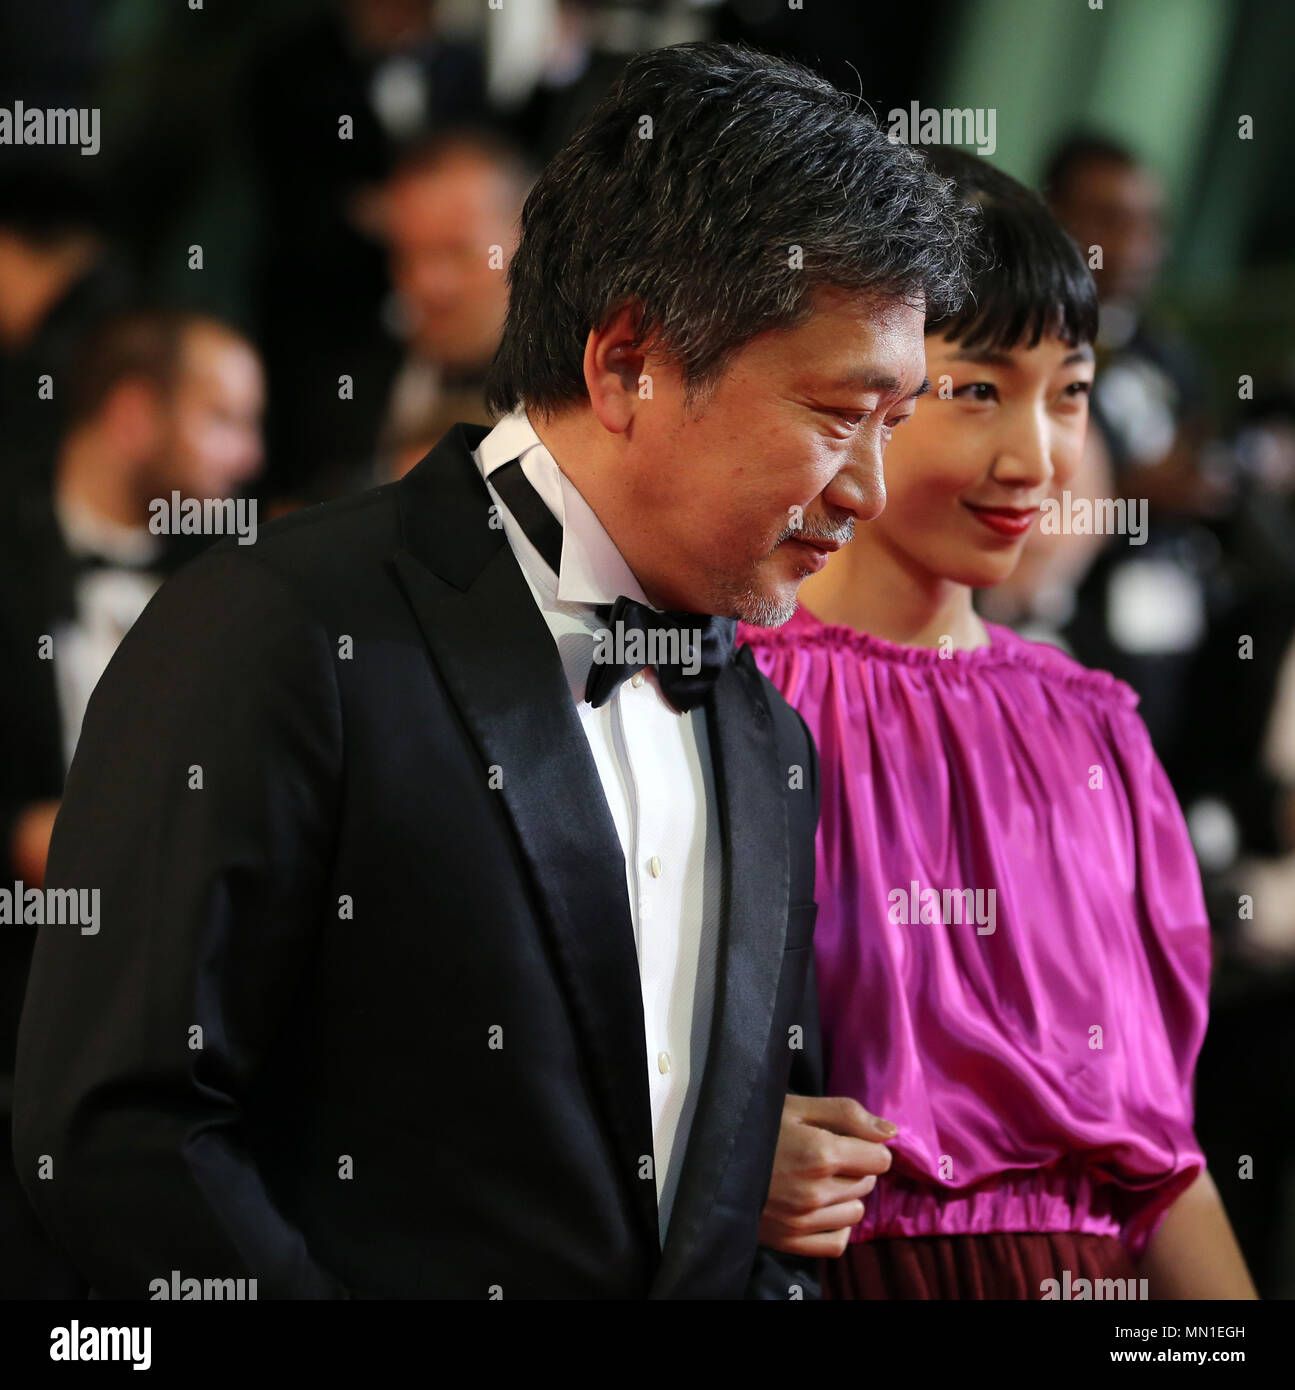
(867, 380)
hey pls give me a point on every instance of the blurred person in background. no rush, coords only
(329, 107)
(1149, 400)
(1238, 783)
(1145, 609)
(160, 402)
(1201, 621)
(1219, 562)
(583, 50)
(1240, 769)
(58, 277)
(450, 216)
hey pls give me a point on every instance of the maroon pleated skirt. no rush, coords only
(1002, 1265)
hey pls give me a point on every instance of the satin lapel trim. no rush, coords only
(500, 666)
(749, 786)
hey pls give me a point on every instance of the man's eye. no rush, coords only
(851, 417)
(1079, 388)
(977, 391)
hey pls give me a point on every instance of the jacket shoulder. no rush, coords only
(312, 535)
(328, 555)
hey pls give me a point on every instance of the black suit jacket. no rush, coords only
(37, 592)
(345, 823)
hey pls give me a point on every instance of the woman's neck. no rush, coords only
(873, 589)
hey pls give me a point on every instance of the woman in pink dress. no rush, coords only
(1012, 946)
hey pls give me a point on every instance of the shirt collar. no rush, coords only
(87, 533)
(592, 571)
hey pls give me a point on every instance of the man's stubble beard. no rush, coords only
(747, 600)
(761, 610)
(749, 603)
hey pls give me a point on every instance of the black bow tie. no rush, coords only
(84, 562)
(687, 650)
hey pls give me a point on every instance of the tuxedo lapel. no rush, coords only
(753, 819)
(500, 666)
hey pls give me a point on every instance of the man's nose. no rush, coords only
(435, 279)
(859, 487)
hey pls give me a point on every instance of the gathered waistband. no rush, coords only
(1030, 1200)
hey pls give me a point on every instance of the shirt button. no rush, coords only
(654, 866)
(663, 1062)
(636, 679)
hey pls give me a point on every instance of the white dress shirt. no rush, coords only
(108, 601)
(655, 769)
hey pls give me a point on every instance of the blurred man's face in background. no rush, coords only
(209, 434)
(440, 226)
(1119, 207)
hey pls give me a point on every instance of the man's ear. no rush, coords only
(613, 366)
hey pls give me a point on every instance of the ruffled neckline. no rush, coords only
(1005, 648)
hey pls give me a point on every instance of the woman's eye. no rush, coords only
(977, 391)
(1073, 393)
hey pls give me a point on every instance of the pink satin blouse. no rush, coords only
(1012, 946)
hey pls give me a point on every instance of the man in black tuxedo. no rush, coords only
(78, 565)
(457, 879)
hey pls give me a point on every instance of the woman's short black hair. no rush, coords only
(1031, 280)
(717, 188)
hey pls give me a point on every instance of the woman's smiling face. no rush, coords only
(966, 475)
